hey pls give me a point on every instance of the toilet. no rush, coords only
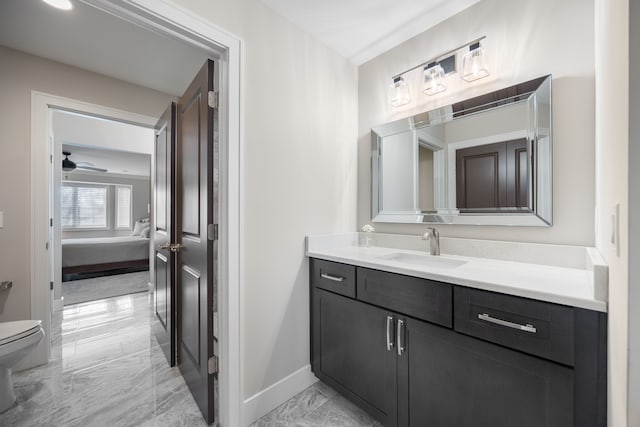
(17, 339)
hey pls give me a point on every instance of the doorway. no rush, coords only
(172, 21)
(102, 206)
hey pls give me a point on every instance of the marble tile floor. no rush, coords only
(317, 406)
(107, 369)
(78, 291)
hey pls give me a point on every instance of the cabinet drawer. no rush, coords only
(534, 327)
(420, 298)
(334, 277)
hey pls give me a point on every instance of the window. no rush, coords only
(123, 207)
(84, 205)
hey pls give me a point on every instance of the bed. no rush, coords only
(104, 254)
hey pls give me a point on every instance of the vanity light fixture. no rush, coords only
(60, 4)
(399, 92)
(437, 69)
(433, 77)
(474, 64)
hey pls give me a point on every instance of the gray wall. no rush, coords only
(20, 74)
(140, 198)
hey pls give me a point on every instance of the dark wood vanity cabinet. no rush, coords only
(415, 352)
(351, 354)
(450, 379)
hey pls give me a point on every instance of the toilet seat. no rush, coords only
(13, 331)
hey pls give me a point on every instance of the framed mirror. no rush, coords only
(485, 161)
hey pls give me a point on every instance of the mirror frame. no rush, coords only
(537, 93)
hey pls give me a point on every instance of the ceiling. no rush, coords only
(360, 30)
(88, 38)
(121, 148)
(116, 162)
(95, 40)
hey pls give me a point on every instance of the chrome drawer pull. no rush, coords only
(526, 328)
(389, 342)
(400, 347)
(330, 277)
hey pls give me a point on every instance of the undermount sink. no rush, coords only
(424, 260)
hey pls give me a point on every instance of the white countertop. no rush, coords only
(577, 284)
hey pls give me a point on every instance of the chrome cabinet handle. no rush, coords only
(526, 328)
(399, 337)
(389, 326)
(330, 277)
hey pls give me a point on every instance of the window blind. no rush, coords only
(123, 207)
(84, 206)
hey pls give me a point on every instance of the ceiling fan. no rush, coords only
(69, 165)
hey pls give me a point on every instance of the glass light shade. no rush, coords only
(474, 64)
(399, 92)
(433, 77)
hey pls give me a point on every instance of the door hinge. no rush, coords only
(50, 285)
(51, 158)
(213, 365)
(213, 99)
(46, 246)
(50, 222)
(212, 232)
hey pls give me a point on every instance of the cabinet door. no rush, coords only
(350, 353)
(449, 379)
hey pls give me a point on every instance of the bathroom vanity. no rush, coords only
(418, 340)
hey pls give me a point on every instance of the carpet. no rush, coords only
(78, 291)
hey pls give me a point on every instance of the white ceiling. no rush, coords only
(88, 38)
(121, 148)
(363, 29)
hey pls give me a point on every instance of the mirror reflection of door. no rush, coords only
(492, 177)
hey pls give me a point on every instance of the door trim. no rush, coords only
(174, 21)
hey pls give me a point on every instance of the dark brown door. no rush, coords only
(197, 199)
(164, 327)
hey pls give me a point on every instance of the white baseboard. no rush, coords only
(276, 394)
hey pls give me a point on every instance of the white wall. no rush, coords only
(525, 39)
(19, 75)
(300, 110)
(612, 187)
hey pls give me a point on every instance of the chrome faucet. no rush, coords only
(433, 237)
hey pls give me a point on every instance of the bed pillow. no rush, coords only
(138, 227)
(145, 232)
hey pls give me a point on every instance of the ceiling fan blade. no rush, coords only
(90, 168)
